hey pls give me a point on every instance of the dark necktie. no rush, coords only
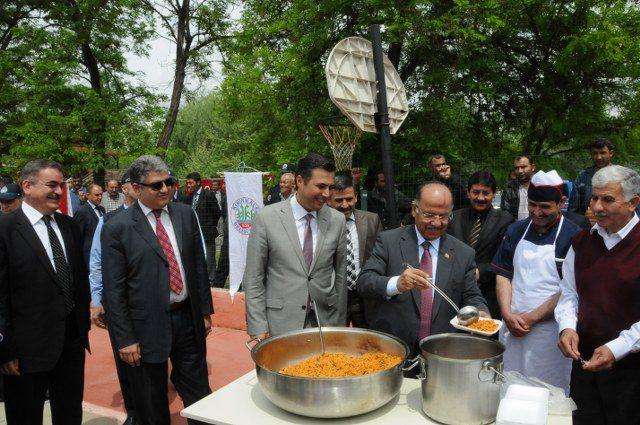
(63, 271)
(426, 295)
(352, 273)
(100, 210)
(175, 278)
(307, 246)
(474, 236)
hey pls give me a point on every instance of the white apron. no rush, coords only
(535, 280)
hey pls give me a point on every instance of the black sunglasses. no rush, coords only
(170, 182)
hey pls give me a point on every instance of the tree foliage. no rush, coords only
(485, 77)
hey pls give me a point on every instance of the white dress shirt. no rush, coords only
(566, 312)
(523, 198)
(168, 226)
(434, 246)
(35, 218)
(299, 214)
(95, 211)
(353, 236)
(196, 198)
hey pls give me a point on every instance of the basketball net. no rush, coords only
(343, 137)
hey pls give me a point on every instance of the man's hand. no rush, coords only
(10, 368)
(568, 344)
(131, 354)
(516, 324)
(97, 317)
(484, 314)
(412, 278)
(530, 319)
(207, 325)
(602, 359)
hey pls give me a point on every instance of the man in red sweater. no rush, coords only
(599, 309)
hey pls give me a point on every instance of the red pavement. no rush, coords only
(227, 358)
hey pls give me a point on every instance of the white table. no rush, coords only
(242, 402)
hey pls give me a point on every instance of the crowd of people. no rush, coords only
(140, 261)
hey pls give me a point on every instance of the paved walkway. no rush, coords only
(227, 359)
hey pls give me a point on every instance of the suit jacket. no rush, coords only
(135, 276)
(208, 212)
(88, 221)
(400, 315)
(32, 307)
(277, 281)
(578, 219)
(368, 226)
(493, 230)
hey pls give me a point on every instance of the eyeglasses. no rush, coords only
(170, 182)
(431, 216)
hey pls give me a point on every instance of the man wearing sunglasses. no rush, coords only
(156, 293)
(396, 277)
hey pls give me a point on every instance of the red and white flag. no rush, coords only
(65, 201)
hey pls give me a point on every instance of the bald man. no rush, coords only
(398, 300)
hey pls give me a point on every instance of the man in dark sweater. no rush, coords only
(598, 312)
(442, 173)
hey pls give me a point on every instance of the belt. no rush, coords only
(179, 305)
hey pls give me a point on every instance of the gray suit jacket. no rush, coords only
(400, 315)
(368, 225)
(276, 280)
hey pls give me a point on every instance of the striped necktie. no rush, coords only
(352, 273)
(474, 236)
(63, 270)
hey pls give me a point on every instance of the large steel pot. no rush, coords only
(460, 378)
(327, 397)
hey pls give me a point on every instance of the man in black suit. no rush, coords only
(362, 231)
(156, 293)
(403, 303)
(44, 303)
(205, 204)
(482, 227)
(88, 216)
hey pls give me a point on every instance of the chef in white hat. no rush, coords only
(528, 266)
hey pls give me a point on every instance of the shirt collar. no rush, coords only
(434, 243)
(199, 191)
(622, 233)
(146, 210)
(33, 215)
(298, 210)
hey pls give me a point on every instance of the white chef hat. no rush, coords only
(545, 187)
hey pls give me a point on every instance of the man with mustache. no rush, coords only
(528, 268)
(395, 278)
(44, 303)
(289, 274)
(441, 171)
(598, 312)
(514, 196)
(482, 227)
(362, 230)
(601, 151)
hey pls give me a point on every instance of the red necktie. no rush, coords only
(175, 279)
(426, 295)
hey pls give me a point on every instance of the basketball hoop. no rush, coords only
(343, 137)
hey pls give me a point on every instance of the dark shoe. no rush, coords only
(130, 421)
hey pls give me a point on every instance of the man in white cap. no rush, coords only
(528, 266)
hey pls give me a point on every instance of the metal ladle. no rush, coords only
(466, 315)
(315, 310)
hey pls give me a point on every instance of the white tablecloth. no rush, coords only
(242, 402)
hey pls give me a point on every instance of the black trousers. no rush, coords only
(610, 397)
(222, 271)
(355, 310)
(189, 374)
(25, 393)
(210, 247)
(123, 379)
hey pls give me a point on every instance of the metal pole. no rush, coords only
(382, 124)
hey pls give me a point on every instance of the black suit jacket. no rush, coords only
(32, 308)
(493, 230)
(88, 221)
(135, 275)
(400, 315)
(208, 212)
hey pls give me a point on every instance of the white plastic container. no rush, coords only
(521, 412)
(523, 392)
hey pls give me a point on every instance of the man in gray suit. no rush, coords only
(293, 251)
(362, 231)
(404, 304)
